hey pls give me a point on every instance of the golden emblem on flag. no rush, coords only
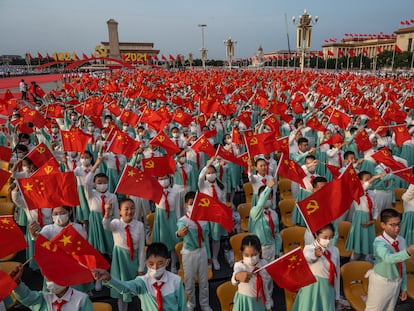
(204, 202)
(150, 164)
(161, 138)
(254, 141)
(48, 169)
(41, 149)
(312, 207)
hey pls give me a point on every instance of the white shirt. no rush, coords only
(408, 199)
(75, 300)
(52, 230)
(94, 197)
(204, 186)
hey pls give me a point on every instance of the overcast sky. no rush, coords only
(48, 26)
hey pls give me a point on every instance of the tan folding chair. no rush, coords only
(244, 211)
(248, 191)
(101, 306)
(285, 188)
(235, 243)
(355, 283)
(343, 232)
(292, 237)
(286, 207)
(225, 294)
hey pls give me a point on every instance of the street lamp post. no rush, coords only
(230, 43)
(304, 34)
(203, 50)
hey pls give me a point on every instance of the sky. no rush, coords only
(49, 26)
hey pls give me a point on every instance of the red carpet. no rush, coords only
(9, 83)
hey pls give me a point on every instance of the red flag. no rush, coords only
(49, 191)
(236, 137)
(227, 154)
(122, 143)
(54, 111)
(211, 133)
(273, 123)
(4, 178)
(314, 124)
(114, 108)
(208, 209)
(340, 118)
(84, 56)
(182, 118)
(291, 271)
(394, 113)
(351, 52)
(401, 134)
(7, 285)
(335, 139)
(362, 141)
(246, 118)
(51, 166)
(282, 145)
(39, 56)
(406, 174)
(203, 145)
(40, 155)
(326, 205)
(379, 50)
(330, 53)
(58, 266)
(334, 170)
(384, 156)
(12, 238)
(129, 117)
(34, 116)
(72, 243)
(340, 53)
(171, 58)
(350, 177)
(320, 53)
(91, 107)
(291, 170)
(201, 120)
(264, 143)
(75, 139)
(136, 182)
(356, 110)
(5, 153)
(159, 166)
(162, 140)
(153, 120)
(397, 49)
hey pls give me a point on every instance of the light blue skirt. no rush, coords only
(407, 227)
(245, 303)
(361, 239)
(100, 238)
(319, 296)
(165, 228)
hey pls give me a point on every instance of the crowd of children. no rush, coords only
(117, 225)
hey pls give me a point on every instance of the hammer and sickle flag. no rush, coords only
(385, 157)
(208, 209)
(401, 134)
(41, 154)
(326, 205)
(159, 166)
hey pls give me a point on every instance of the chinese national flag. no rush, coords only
(183, 118)
(34, 116)
(163, 141)
(203, 145)
(335, 139)
(282, 145)
(350, 177)
(394, 113)
(320, 53)
(4, 177)
(159, 166)
(384, 156)
(401, 134)
(330, 53)
(135, 182)
(315, 125)
(362, 141)
(334, 170)
(340, 118)
(49, 191)
(397, 49)
(153, 119)
(129, 117)
(340, 52)
(114, 108)
(40, 154)
(211, 133)
(58, 266)
(227, 154)
(51, 166)
(326, 205)
(70, 241)
(264, 143)
(406, 174)
(12, 239)
(75, 140)
(7, 285)
(91, 107)
(351, 52)
(291, 271)
(208, 209)
(122, 143)
(291, 170)
(201, 120)
(5, 153)
(236, 137)
(375, 122)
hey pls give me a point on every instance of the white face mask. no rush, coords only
(54, 288)
(175, 135)
(101, 187)
(251, 261)
(61, 220)
(156, 273)
(182, 160)
(125, 128)
(85, 162)
(211, 177)
(24, 143)
(189, 209)
(164, 182)
(91, 129)
(55, 130)
(26, 169)
(324, 242)
(268, 203)
(312, 169)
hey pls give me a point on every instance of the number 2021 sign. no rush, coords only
(134, 57)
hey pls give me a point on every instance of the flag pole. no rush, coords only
(277, 259)
(398, 171)
(393, 58)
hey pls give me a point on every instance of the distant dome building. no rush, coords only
(258, 58)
